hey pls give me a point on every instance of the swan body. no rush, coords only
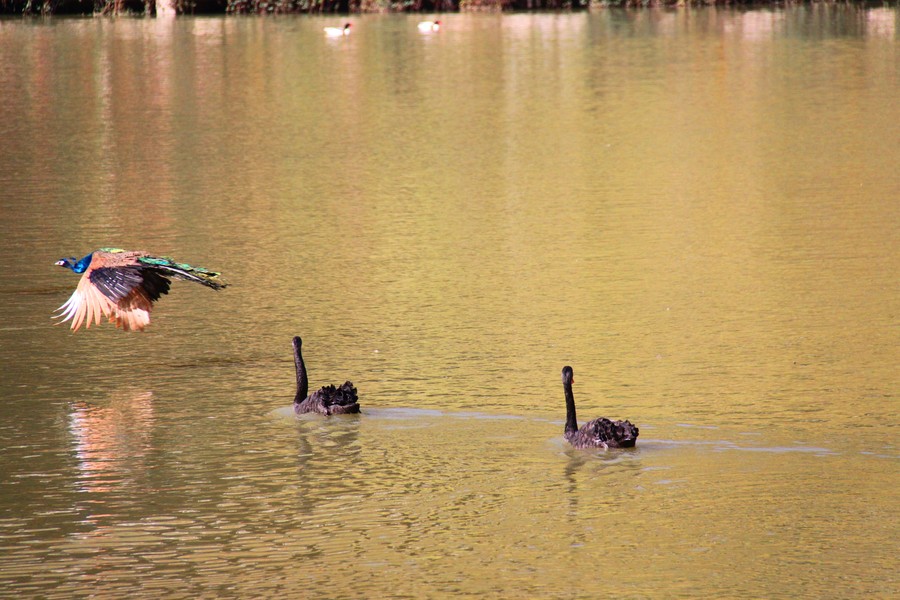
(599, 433)
(429, 26)
(329, 399)
(337, 31)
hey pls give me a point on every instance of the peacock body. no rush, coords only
(123, 285)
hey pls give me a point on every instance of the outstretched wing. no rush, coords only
(117, 283)
(85, 305)
(133, 290)
(125, 294)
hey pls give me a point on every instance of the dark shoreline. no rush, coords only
(348, 7)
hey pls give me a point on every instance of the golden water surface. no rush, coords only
(697, 210)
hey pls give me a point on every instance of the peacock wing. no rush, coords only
(134, 290)
(119, 276)
(117, 283)
(132, 312)
(85, 306)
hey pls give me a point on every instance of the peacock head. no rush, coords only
(79, 266)
(68, 263)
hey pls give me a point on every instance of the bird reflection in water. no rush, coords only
(112, 442)
(584, 472)
(329, 462)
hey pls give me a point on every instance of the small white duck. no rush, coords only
(429, 26)
(337, 31)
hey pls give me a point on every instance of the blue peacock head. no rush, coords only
(68, 263)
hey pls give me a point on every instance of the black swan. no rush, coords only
(599, 433)
(329, 400)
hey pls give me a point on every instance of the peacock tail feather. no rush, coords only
(184, 271)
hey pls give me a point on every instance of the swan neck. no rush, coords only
(571, 422)
(302, 381)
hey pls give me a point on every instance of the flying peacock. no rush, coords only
(123, 285)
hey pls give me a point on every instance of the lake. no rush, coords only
(698, 210)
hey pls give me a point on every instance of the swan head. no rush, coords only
(347, 26)
(297, 342)
(568, 375)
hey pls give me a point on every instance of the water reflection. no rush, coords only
(328, 457)
(881, 22)
(112, 441)
(616, 467)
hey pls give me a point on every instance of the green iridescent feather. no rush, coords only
(184, 270)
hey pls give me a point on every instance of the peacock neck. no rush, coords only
(571, 423)
(82, 265)
(302, 381)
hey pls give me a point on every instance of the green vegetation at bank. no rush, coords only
(149, 7)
